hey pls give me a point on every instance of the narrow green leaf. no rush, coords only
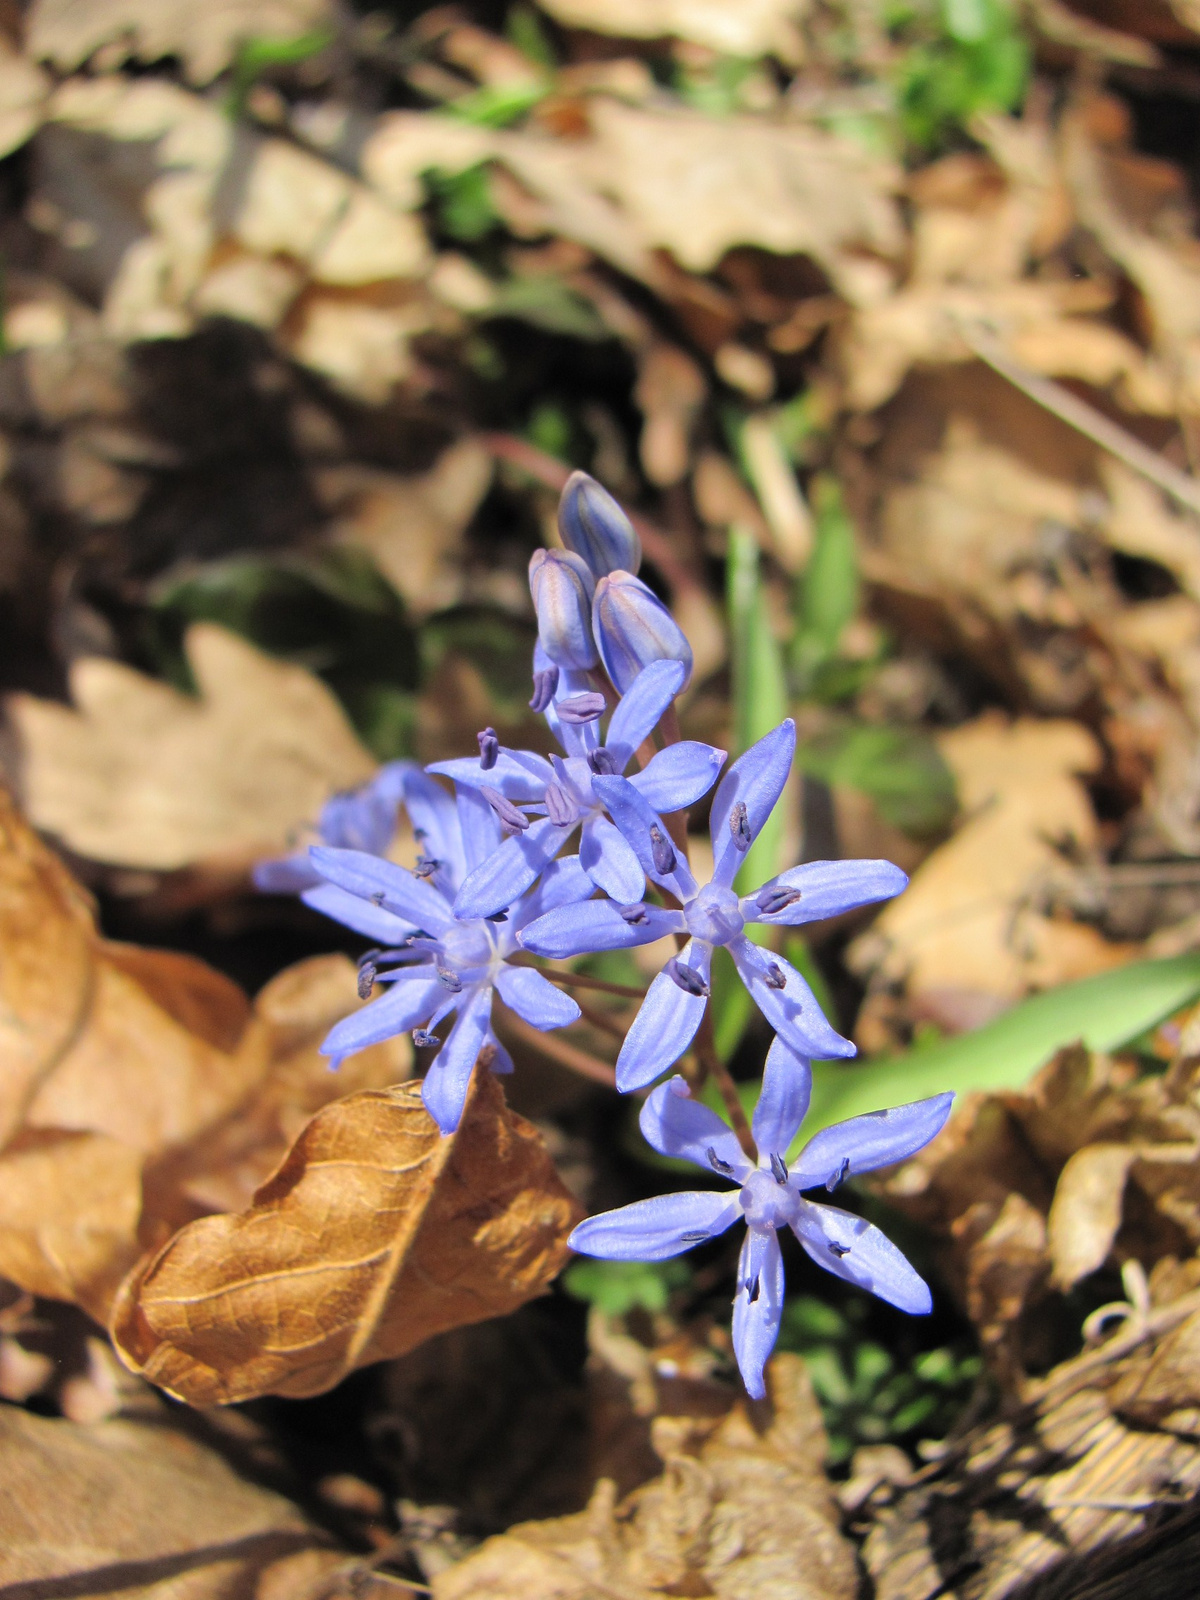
(1105, 1012)
(759, 689)
(827, 590)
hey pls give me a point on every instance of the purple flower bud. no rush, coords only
(633, 628)
(560, 808)
(593, 525)
(504, 809)
(581, 708)
(774, 898)
(603, 763)
(739, 825)
(562, 589)
(665, 859)
(545, 682)
(489, 749)
(688, 979)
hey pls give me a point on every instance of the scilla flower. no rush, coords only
(715, 914)
(562, 589)
(593, 525)
(769, 1197)
(633, 628)
(433, 964)
(542, 802)
(360, 819)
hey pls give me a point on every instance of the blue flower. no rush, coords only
(359, 819)
(542, 802)
(632, 628)
(432, 963)
(714, 915)
(769, 1197)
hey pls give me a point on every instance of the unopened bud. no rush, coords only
(562, 589)
(593, 525)
(634, 628)
(489, 748)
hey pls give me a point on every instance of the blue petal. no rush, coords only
(877, 1139)
(289, 874)
(372, 921)
(679, 775)
(445, 1088)
(870, 1259)
(757, 1306)
(676, 1125)
(363, 819)
(563, 883)
(665, 1026)
(505, 876)
(793, 1010)
(595, 925)
(827, 888)
(384, 884)
(432, 812)
(479, 826)
(640, 707)
(518, 775)
(654, 1229)
(498, 1059)
(610, 863)
(576, 738)
(782, 1100)
(756, 779)
(535, 998)
(635, 817)
(409, 1003)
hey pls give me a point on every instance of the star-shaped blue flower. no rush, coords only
(433, 963)
(543, 802)
(769, 1197)
(714, 914)
(357, 819)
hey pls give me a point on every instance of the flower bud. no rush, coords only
(562, 587)
(634, 628)
(593, 525)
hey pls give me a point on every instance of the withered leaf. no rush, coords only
(145, 1509)
(374, 1234)
(1086, 1211)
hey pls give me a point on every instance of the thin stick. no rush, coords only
(581, 980)
(1085, 419)
(601, 1020)
(567, 1055)
(715, 1068)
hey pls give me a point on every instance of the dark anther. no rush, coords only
(694, 1238)
(773, 977)
(581, 708)
(423, 1039)
(665, 858)
(426, 866)
(504, 809)
(774, 898)
(496, 916)
(366, 978)
(836, 1179)
(634, 915)
(378, 896)
(839, 1250)
(739, 826)
(449, 979)
(716, 1162)
(752, 1288)
(545, 683)
(560, 808)
(779, 1169)
(602, 762)
(688, 979)
(489, 748)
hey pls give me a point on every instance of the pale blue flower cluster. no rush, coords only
(491, 889)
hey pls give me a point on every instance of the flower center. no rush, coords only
(467, 945)
(767, 1202)
(714, 915)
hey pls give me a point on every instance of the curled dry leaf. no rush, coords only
(748, 29)
(142, 775)
(373, 1235)
(23, 92)
(207, 38)
(1086, 1210)
(743, 1510)
(142, 1507)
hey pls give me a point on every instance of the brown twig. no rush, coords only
(601, 1020)
(706, 1054)
(583, 980)
(567, 1055)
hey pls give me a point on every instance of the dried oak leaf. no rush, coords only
(207, 38)
(141, 775)
(373, 1235)
(750, 28)
(743, 1510)
(144, 1509)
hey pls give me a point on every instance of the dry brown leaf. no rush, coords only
(967, 936)
(1086, 1211)
(743, 1510)
(66, 32)
(24, 89)
(374, 1234)
(141, 775)
(748, 28)
(143, 1508)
